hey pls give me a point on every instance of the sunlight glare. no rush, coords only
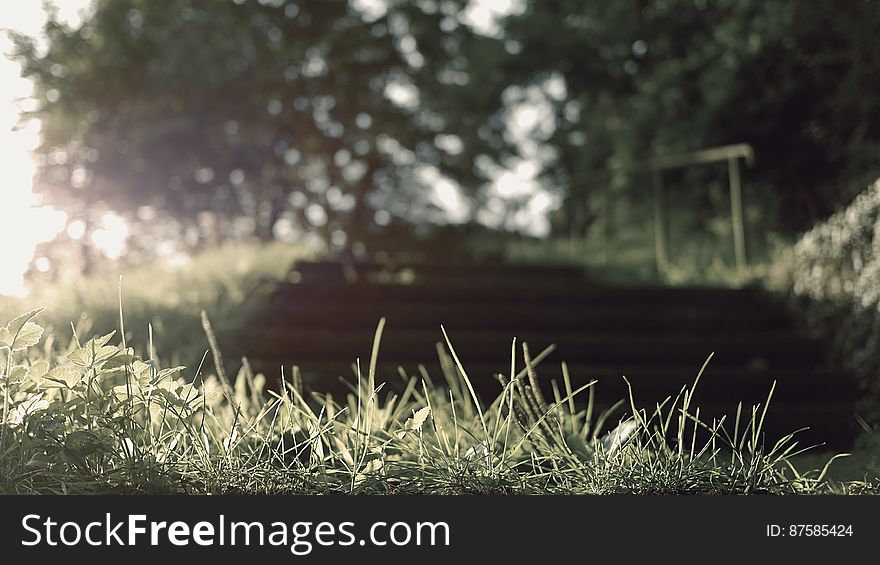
(24, 221)
(111, 236)
(483, 15)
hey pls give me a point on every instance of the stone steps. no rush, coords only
(657, 337)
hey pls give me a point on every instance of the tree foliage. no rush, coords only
(658, 77)
(253, 110)
(329, 113)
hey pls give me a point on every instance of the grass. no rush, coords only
(109, 415)
(700, 252)
(163, 301)
(92, 416)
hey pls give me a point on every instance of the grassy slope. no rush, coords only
(224, 281)
(96, 419)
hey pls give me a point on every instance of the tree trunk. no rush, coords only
(88, 260)
(358, 228)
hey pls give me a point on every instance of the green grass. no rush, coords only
(94, 417)
(118, 413)
(227, 281)
(626, 256)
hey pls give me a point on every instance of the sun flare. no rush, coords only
(24, 221)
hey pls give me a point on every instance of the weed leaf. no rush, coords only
(22, 337)
(16, 327)
(63, 376)
(17, 374)
(418, 420)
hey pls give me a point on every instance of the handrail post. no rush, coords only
(660, 247)
(736, 213)
(606, 223)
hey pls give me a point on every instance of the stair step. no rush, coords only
(513, 317)
(821, 401)
(649, 382)
(305, 344)
(656, 337)
(521, 292)
(326, 271)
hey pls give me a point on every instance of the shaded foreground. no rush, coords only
(98, 419)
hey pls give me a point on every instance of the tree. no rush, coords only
(228, 116)
(658, 77)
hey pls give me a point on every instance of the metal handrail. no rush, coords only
(730, 153)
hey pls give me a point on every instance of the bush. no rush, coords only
(835, 276)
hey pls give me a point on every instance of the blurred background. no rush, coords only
(199, 146)
(137, 131)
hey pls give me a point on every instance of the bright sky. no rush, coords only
(24, 222)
